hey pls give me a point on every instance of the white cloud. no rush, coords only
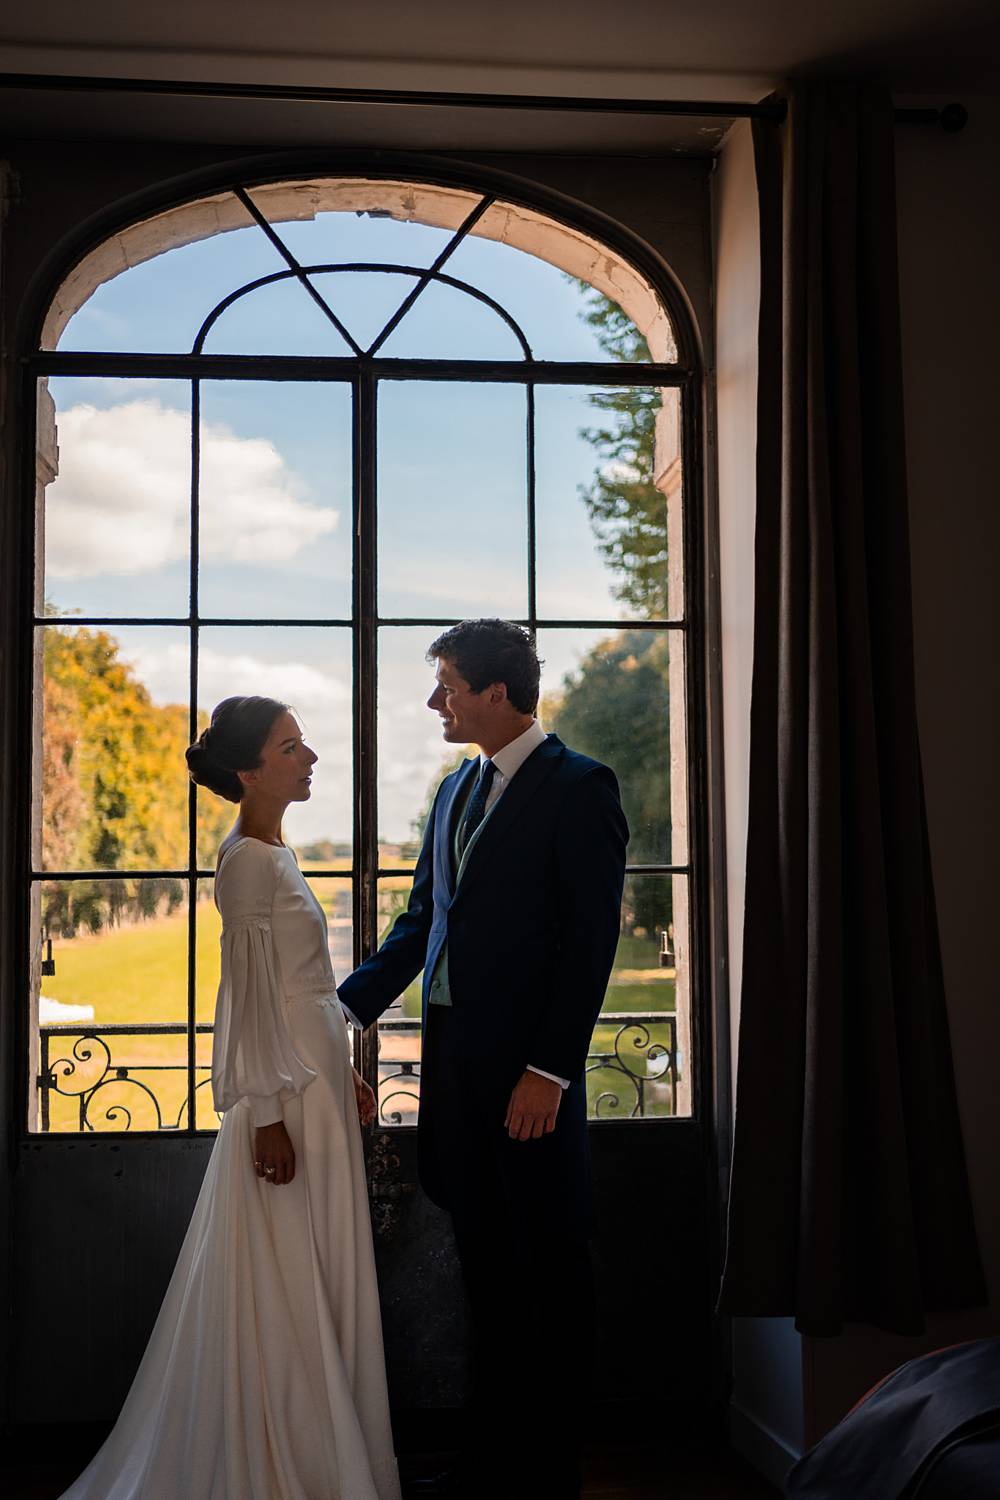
(318, 696)
(120, 503)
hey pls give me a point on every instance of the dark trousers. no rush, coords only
(525, 1261)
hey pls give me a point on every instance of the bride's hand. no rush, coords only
(365, 1096)
(273, 1154)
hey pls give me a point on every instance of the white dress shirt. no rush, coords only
(508, 762)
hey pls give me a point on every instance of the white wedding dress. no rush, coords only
(264, 1377)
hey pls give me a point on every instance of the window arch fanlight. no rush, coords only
(429, 206)
(285, 433)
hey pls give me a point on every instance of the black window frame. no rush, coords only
(365, 371)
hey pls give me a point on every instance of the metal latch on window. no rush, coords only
(48, 962)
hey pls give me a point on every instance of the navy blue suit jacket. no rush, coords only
(532, 927)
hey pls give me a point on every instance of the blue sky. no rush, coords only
(276, 483)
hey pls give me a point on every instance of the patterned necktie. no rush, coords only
(476, 810)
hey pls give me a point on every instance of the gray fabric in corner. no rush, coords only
(933, 1415)
(849, 1198)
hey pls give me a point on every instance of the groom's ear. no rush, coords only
(497, 692)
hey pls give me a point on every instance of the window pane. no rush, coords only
(644, 973)
(608, 503)
(452, 500)
(629, 1069)
(110, 769)
(334, 896)
(412, 755)
(364, 301)
(619, 697)
(563, 317)
(446, 323)
(208, 934)
(278, 318)
(640, 1057)
(114, 498)
(311, 670)
(157, 304)
(275, 500)
(111, 1018)
(399, 1028)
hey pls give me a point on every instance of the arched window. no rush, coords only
(285, 435)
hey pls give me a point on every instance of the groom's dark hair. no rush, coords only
(486, 651)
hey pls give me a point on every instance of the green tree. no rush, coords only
(627, 512)
(615, 707)
(114, 784)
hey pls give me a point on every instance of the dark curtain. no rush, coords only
(849, 1198)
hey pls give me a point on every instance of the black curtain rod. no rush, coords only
(951, 118)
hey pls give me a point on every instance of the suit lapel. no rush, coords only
(444, 831)
(535, 771)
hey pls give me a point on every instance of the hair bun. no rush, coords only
(231, 742)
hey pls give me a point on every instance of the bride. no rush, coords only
(264, 1376)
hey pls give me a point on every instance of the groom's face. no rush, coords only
(465, 715)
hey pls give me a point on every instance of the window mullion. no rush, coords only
(365, 685)
(192, 880)
(529, 391)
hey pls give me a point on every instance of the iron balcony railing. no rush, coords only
(631, 1074)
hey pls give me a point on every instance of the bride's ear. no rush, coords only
(249, 778)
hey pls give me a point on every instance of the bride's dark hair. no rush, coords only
(232, 742)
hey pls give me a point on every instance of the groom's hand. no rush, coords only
(533, 1107)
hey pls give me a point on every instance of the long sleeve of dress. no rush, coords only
(252, 1053)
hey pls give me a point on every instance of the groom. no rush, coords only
(514, 918)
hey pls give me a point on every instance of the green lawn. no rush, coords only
(138, 972)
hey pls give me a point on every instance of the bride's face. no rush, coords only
(286, 762)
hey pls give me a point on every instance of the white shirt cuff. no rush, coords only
(351, 1017)
(265, 1109)
(562, 1082)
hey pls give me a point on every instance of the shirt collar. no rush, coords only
(511, 758)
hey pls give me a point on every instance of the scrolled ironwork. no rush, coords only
(66, 1067)
(644, 1043)
(109, 1095)
(612, 1100)
(635, 1042)
(395, 1116)
(117, 1109)
(206, 1083)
